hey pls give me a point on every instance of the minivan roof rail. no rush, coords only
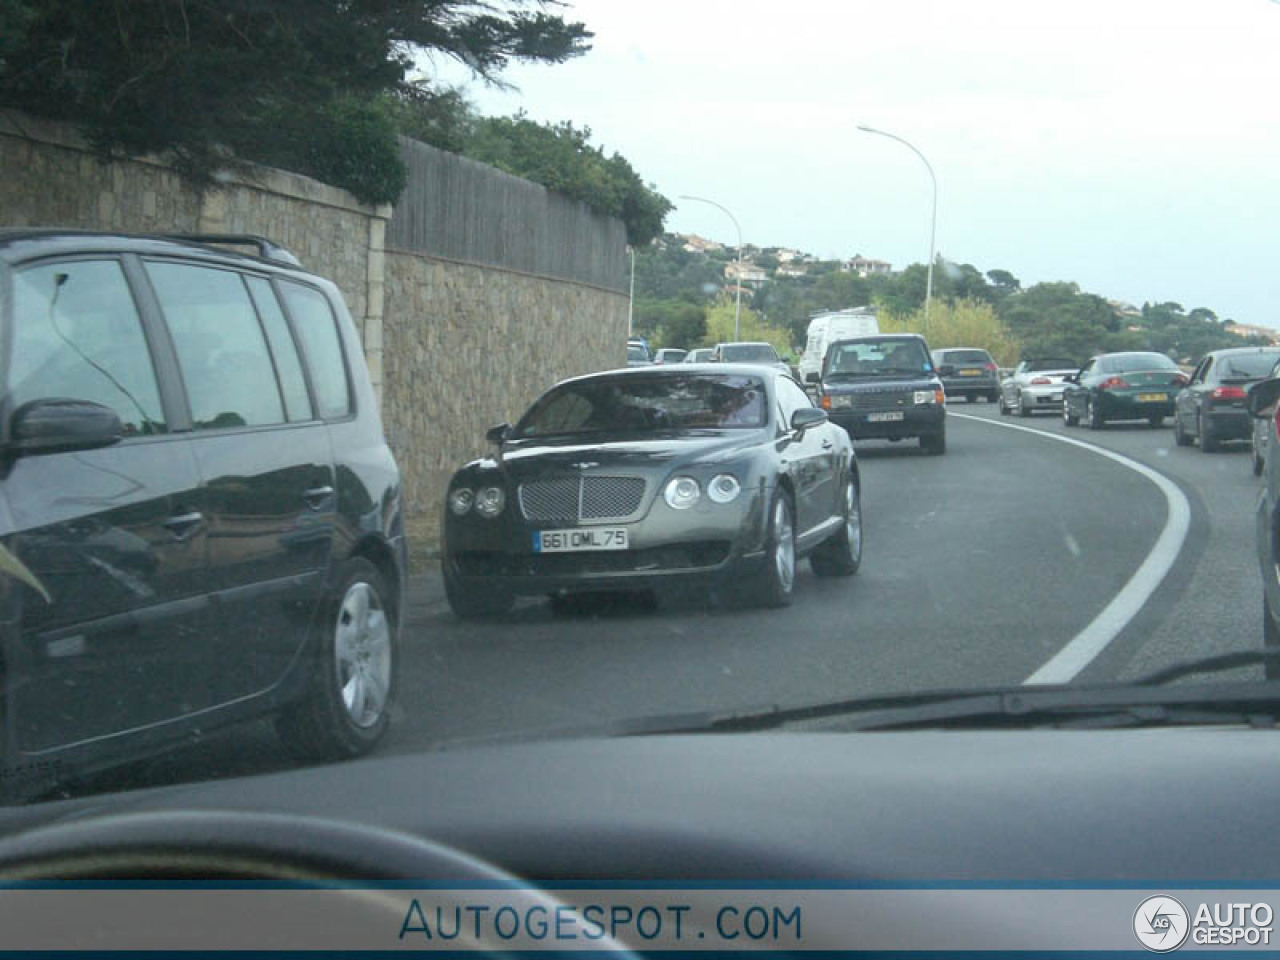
(267, 249)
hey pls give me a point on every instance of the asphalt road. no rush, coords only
(979, 566)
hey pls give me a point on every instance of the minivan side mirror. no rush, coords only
(812, 377)
(1263, 396)
(42, 426)
(496, 435)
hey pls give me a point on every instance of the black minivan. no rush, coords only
(200, 518)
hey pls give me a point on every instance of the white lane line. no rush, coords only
(1081, 650)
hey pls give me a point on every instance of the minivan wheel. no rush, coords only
(777, 582)
(841, 554)
(346, 706)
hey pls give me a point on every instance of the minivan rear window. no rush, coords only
(316, 326)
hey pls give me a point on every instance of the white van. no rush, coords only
(826, 328)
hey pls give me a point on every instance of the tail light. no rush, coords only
(1113, 383)
(1228, 393)
(1180, 380)
(990, 367)
(825, 403)
(1041, 382)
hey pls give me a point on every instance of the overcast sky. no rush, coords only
(1131, 145)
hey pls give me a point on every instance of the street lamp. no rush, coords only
(933, 222)
(737, 308)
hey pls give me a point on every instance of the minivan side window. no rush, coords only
(77, 335)
(283, 350)
(317, 328)
(221, 349)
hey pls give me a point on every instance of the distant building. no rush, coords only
(791, 269)
(696, 244)
(865, 267)
(746, 273)
(785, 255)
(1245, 330)
(1122, 309)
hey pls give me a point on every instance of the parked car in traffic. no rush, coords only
(1122, 386)
(1260, 438)
(972, 373)
(1263, 404)
(1035, 385)
(829, 326)
(751, 352)
(646, 479)
(669, 355)
(700, 355)
(199, 513)
(638, 356)
(1211, 408)
(884, 387)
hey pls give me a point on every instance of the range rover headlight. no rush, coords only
(924, 396)
(490, 501)
(461, 501)
(682, 493)
(724, 488)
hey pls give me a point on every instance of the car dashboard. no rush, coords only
(896, 810)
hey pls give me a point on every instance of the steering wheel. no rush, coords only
(216, 880)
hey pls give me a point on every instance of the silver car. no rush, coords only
(1035, 385)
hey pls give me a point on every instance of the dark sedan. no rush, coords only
(1211, 408)
(1122, 386)
(647, 478)
(970, 373)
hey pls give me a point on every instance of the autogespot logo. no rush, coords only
(1161, 924)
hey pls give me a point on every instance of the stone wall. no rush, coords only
(468, 347)
(452, 347)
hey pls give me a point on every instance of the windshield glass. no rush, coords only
(748, 353)
(870, 358)
(1125, 363)
(1051, 363)
(642, 404)
(1251, 366)
(320, 441)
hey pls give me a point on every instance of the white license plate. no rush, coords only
(571, 541)
(884, 417)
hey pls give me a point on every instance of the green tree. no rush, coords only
(289, 82)
(959, 323)
(562, 158)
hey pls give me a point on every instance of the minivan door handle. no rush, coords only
(182, 525)
(316, 496)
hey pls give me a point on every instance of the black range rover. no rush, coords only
(884, 387)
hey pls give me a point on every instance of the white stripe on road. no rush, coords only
(1081, 650)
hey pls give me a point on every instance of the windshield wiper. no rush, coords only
(1150, 700)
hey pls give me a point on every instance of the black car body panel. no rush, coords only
(617, 481)
(879, 406)
(179, 571)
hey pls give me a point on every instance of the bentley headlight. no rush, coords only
(682, 493)
(724, 488)
(461, 501)
(490, 501)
